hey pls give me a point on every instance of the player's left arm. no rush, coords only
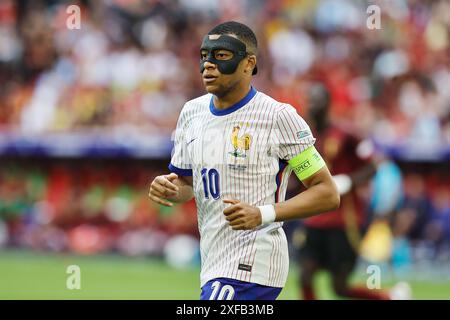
(320, 196)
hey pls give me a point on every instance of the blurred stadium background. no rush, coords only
(86, 118)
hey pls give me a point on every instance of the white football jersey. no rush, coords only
(239, 153)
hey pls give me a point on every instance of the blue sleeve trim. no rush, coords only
(179, 171)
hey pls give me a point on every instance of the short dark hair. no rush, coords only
(241, 31)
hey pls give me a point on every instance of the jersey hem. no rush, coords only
(262, 283)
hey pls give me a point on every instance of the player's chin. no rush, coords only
(212, 88)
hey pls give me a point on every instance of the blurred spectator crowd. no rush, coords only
(87, 208)
(134, 63)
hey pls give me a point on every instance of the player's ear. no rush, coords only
(251, 63)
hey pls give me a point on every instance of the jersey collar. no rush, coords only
(234, 107)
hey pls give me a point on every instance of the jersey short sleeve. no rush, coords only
(180, 162)
(292, 134)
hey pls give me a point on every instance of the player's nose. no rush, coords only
(209, 65)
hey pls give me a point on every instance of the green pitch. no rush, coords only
(30, 275)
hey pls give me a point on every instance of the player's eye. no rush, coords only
(223, 55)
(203, 55)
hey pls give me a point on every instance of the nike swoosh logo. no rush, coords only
(191, 141)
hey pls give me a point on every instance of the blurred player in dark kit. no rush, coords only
(332, 240)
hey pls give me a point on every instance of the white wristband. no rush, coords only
(343, 183)
(268, 214)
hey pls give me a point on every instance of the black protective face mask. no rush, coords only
(237, 47)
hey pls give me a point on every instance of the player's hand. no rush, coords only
(242, 216)
(163, 188)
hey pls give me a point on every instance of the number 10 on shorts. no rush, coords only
(220, 292)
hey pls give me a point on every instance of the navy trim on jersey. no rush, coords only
(179, 171)
(282, 164)
(234, 107)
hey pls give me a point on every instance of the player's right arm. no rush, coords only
(176, 186)
(169, 188)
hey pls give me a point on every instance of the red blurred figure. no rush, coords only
(332, 239)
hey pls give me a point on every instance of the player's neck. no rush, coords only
(231, 98)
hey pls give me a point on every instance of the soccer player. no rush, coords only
(234, 149)
(332, 239)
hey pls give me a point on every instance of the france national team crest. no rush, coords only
(240, 141)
